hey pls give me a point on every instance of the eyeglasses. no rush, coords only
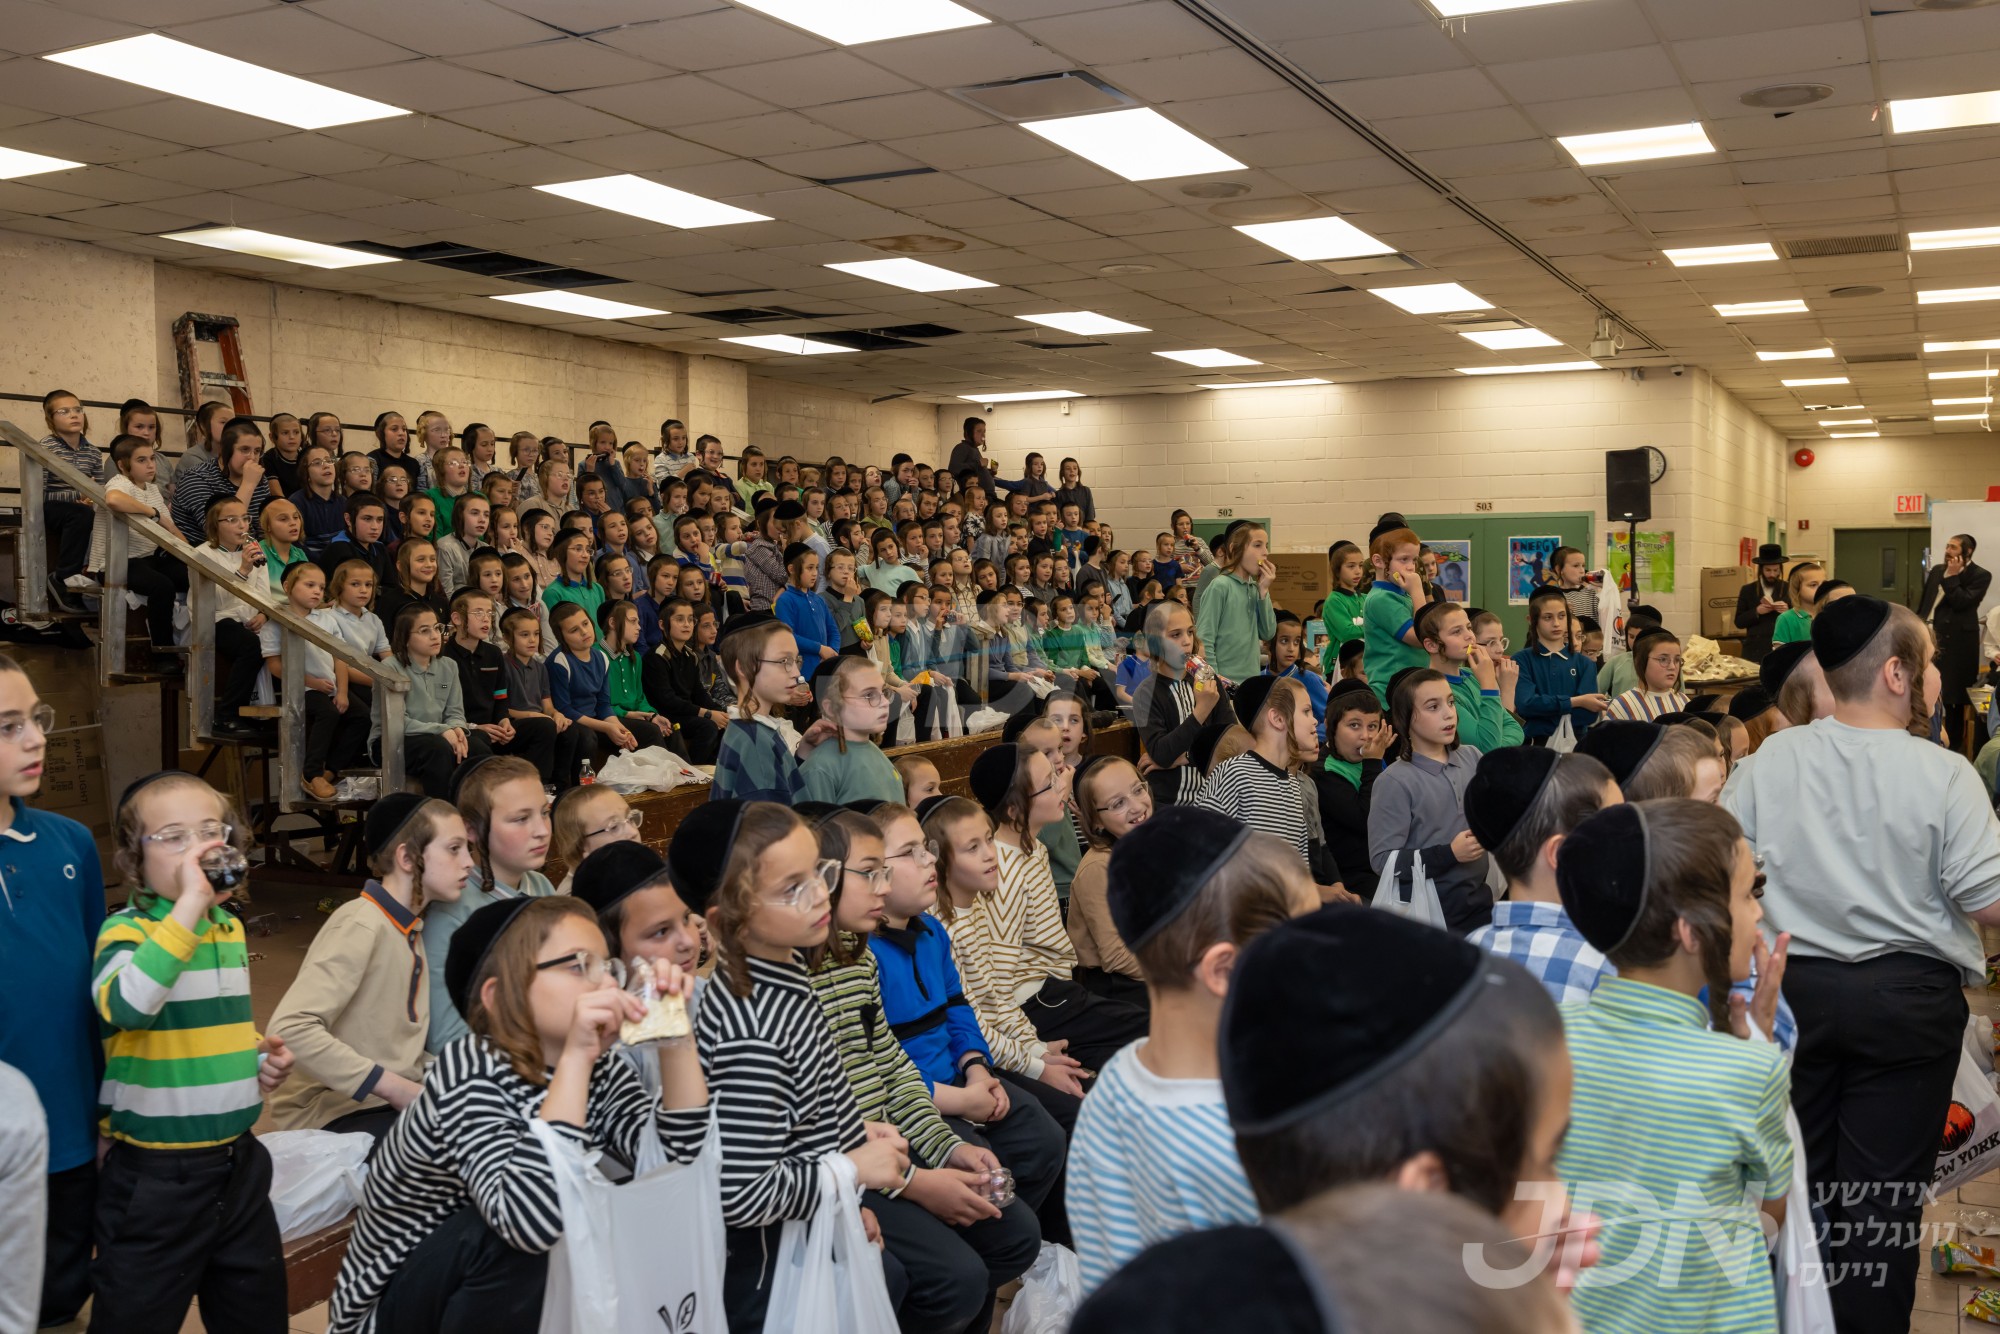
(790, 664)
(1500, 645)
(42, 717)
(923, 854)
(872, 697)
(586, 965)
(630, 821)
(176, 839)
(875, 879)
(806, 891)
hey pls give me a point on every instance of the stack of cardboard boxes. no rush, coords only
(74, 782)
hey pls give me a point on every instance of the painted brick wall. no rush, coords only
(69, 324)
(1854, 483)
(811, 423)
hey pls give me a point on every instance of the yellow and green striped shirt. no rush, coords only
(180, 1046)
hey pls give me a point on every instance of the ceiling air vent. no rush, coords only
(1056, 347)
(489, 264)
(1826, 247)
(1070, 93)
(917, 331)
(1915, 417)
(757, 315)
(1877, 358)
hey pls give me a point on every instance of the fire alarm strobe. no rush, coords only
(1803, 457)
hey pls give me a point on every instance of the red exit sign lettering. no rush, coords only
(1917, 504)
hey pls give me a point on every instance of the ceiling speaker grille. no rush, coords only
(1825, 247)
(1877, 358)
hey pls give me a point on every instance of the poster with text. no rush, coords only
(1454, 576)
(1656, 559)
(1528, 563)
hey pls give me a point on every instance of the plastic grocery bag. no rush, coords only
(1411, 894)
(1051, 1291)
(609, 1274)
(1563, 739)
(826, 1277)
(653, 769)
(1971, 1144)
(316, 1178)
(1804, 1303)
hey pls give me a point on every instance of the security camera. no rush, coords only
(1678, 370)
(989, 409)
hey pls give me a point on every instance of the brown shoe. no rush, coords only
(318, 788)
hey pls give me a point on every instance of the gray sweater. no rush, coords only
(1419, 805)
(435, 703)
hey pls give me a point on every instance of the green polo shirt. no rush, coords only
(1482, 721)
(1385, 617)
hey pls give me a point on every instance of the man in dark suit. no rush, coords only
(1762, 601)
(1952, 594)
(969, 456)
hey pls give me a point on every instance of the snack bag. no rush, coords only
(1961, 1257)
(666, 1017)
(1984, 1306)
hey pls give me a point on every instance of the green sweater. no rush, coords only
(628, 695)
(1234, 617)
(840, 776)
(1482, 722)
(1343, 617)
(1386, 615)
(1066, 648)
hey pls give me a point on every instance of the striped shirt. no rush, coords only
(1641, 705)
(887, 1085)
(1151, 1158)
(1668, 1116)
(997, 977)
(1163, 711)
(180, 1048)
(1027, 902)
(466, 1141)
(83, 456)
(1251, 789)
(781, 1098)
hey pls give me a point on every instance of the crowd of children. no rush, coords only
(1412, 934)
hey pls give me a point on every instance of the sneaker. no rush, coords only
(83, 583)
(60, 595)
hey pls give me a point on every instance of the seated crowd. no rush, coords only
(1392, 982)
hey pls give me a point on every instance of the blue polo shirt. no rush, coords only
(51, 905)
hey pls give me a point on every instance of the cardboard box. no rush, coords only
(1303, 579)
(65, 679)
(73, 778)
(1719, 588)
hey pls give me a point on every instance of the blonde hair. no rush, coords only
(129, 858)
(569, 827)
(833, 698)
(475, 797)
(946, 816)
(1669, 770)
(349, 570)
(741, 657)
(1795, 584)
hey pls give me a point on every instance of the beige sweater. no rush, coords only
(1091, 929)
(359, 1006)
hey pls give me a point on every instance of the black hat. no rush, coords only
(1642, 641)
(789, 510)
(1336, 697)
(1770, 554)
(1158, 868)
(1351, 650)
(1782, 661)
(821, 678)
(463, 772)
(1388, 523)
(1703, 703)
(1841, 630)
(1601, 871)
(472, 944)
(1248, 701)
(865, 806)
(1673, 718)
(929, 804)
(1017, 723)
(385, 820)
(699, 851)
(1504, 788)
(1622, 747)
(1750, 702)
(1201, 751)
(992, 774)
(744, 620)
(794, 550)
(1396, 681)
(985, 596)
(607, 875)
(1305, 1026)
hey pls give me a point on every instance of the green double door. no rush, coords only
(1888, 563)
(1487, 536)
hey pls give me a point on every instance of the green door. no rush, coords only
(1487, 535)
(1887, 563)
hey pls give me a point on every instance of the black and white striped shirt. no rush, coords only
(782, 1100)
(465, 1140)
(1163, 711)
(1250, 788)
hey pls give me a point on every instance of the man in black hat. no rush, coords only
(1950, 602)
(1883, 860)
(1762, 602)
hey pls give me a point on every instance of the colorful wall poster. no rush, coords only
(1454, 576)
(1656, 559)
(1528, 565)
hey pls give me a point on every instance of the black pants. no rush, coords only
(534, 741)
(1030, 1144)
(157, 578)
(66, 1264)
(643, 730)
(463, 1279)
(1871, 1082)
(334, 740)
(702, 738)
(1115, 986)
(69, 524)
(1094, 1027)
(574, 744)
(953, 1272)
(1097, 693)
(428, 759)
(235, 682)
(177, 1225)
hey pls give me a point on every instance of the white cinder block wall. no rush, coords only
(1854, 483)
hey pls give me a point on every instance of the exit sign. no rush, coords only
(1916, 504)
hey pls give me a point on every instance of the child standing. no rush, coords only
(1803, 585)
(1482, 686)
(1657, 657)
(336, 734)
(184, 1193)
(756, 760)
(852, 766)
(1556, 680)
(1173, 703)
(1389, 615)
(1287, 662)
(1567, 572)
(1234, 614)
(149, 571)
(1418, 806)
(1342, 612)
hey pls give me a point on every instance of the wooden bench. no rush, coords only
(312, 1263)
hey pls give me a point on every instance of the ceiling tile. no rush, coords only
(563, 65)
(291, 38)
(827, 76)
(442, 27)
(760, 136)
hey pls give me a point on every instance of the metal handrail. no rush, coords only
(31, 564)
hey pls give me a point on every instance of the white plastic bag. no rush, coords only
(1970, 1146)
(1563, 739)
(1805, 1306)
(653, 769)
(1051, 1291)
(984, 720)
(316, 1178)
(826, 1277)
(609, 1274)
(1419, 902)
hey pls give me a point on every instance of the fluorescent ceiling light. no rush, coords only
(1853, 435)
(1506, 340)
(14, 162)
(850, 22)
(1657, 141)
(1940, 296)
(1809, 354)
(1957, 402)
(1139, 144)
(1083, 322)
(1268, 384)
(1963, 238)
(1316, 238)
(913, 274)
(792, 343)
(1964, 375)
(245, 241)
(641, 198)
(575, 303)
(1452, 9)
(161, 63)
(1909, 115)
(1026, 396)
(1961, 417)
(1432, 298)
(1531, 370)
(1976, 345)
(1721, 254)
(1738, 309)
(1857, 421)
(1208, 357)
(1825, 379)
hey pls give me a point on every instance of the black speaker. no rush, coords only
(1628, 485)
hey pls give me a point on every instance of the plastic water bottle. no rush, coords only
(587, 775)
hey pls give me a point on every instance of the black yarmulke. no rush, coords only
(1017, 723)
(1158, 868)
(386, 818)
(1782, 661)
(1504, 789)
(1305, 1024)
(1396, 681)
(1351, 650)
(1750, 702)
(1388, 523)
(992, 774)
(1621, 746)
(699, 851)
(1248, 700)
(472, 943)
(463, 772)
(615, 870)
(1601, 871)
(789, 510)
(794, 550)
(1201, 751)
(744, 620)
(1350, 687)
(1841, 630)
(929, 804)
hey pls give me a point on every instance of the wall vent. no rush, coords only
(1826, 247)
(1877, 358)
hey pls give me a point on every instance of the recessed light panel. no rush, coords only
(1736, 310)
(245, 241)
(1531, 370)
(1432, 298)
(1508, 340)
(1316, 238)
(168, 66)
(1453, 9)
(1962, 238)
(792, 343)
(1961, 417)
(1858, 421)
(1721, 254)
(14, 164)
(1964, 375)
(851, 22)
(1944, 296)
(1806, 354)
(1825, 379)
(1976, 345)
(1958, 402)
(1024, 396)
(1208, 357)
(1909, 115)
(575, 303)
(913, 274)
(1139, 144)
(1853, 435)
(1083, 322)
(1269, 384)
(640, 198)
(1656, 141)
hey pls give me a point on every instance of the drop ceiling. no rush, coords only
(1438, 137)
